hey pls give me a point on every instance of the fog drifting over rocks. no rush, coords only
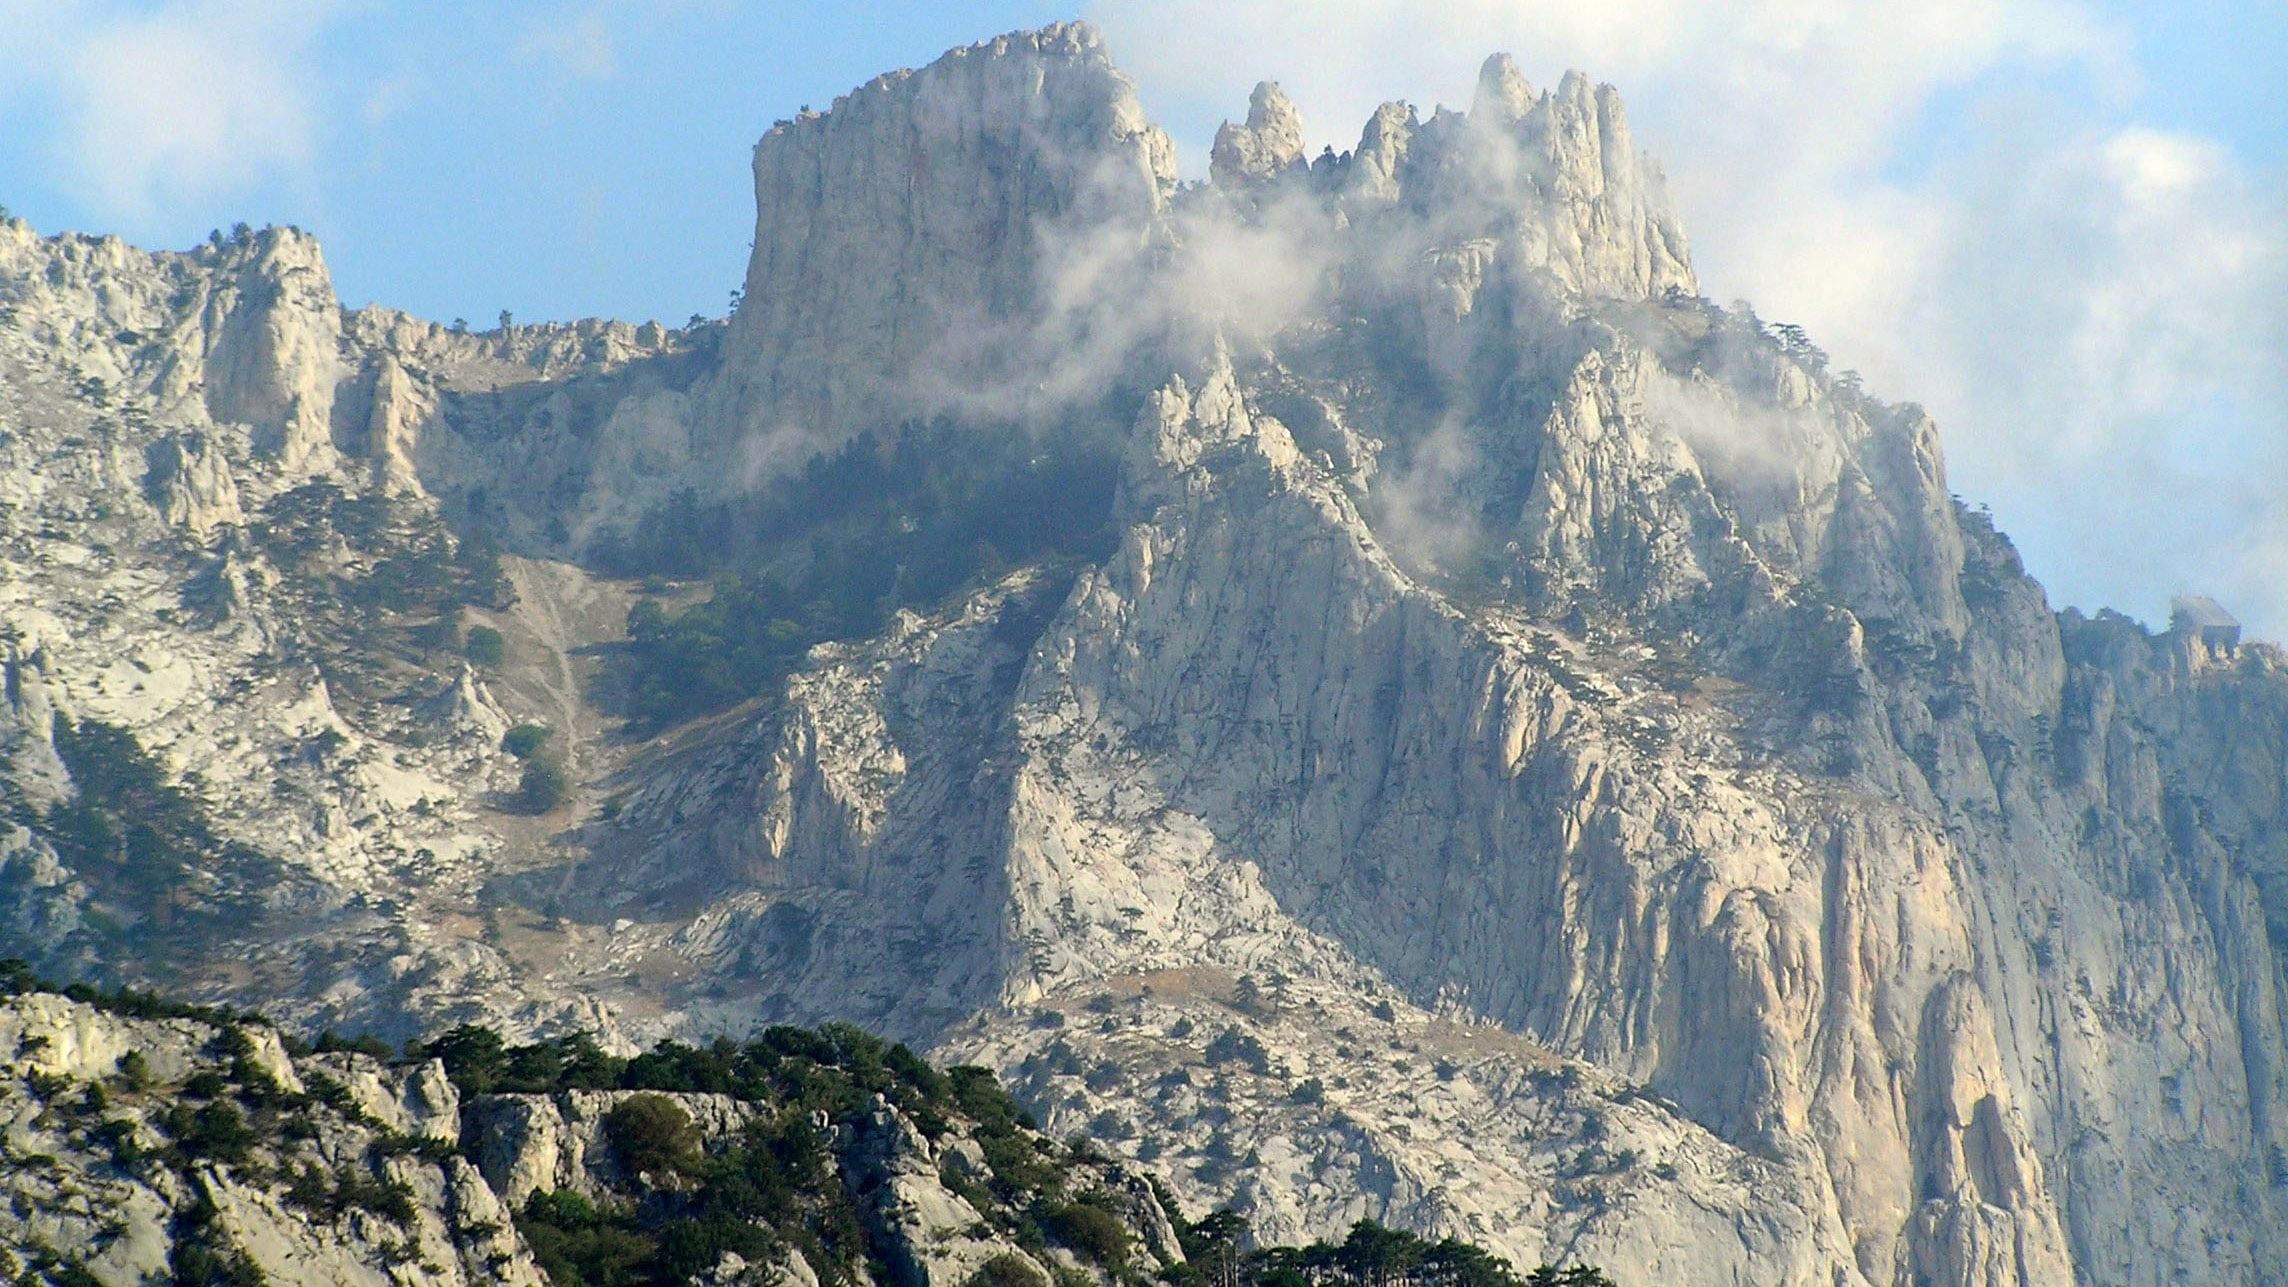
(2095, 309)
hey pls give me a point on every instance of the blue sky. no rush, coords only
(2062, 224)
(559, 161)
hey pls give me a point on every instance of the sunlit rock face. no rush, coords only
(1544, 760)
(1269, 144)
(905, 240)
(354, 1169)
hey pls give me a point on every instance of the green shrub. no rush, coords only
(307, 1190)
(690, 1249)
(543, 785)
(474, 1056)
(1092, 1232)
(564, 1210)
(216, 1132)
(484, 646)
(329, 1043)
(525, 740)
(1232, 1046)
(389, 1199)
(47, 1086)
(1007, 1271)
(580, 1246)
(652, 1134)
(118, 1134)
(329, 1197)
(200, 1264)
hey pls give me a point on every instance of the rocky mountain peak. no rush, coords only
(273, 359)
(1269, 144)
(1561, 174)
(1502, 92)
(913, 217)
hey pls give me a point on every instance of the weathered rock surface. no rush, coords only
(908, 241)
(340, 1168)
(189, 481)
(1268, 145)
(895, 1173)
(273, 336)
(93, 1103)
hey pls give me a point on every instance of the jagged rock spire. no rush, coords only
(900, 236)
(272, 361)
(1503, 92)
(1270, 144)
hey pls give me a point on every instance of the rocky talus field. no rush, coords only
(1348, 684)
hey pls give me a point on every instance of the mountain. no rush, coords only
(1350, 683)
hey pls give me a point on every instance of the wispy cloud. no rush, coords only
(154, 105)
(577, 46)
(2104, 320)
(2096, 311)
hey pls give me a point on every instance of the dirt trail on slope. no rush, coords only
(563, 610)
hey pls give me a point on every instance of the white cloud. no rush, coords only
(390, 95)
(1787, 82)
(2103, 320)
(153, 106)
(578, 47)
(2098, 313)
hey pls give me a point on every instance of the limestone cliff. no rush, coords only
(906, 240)
(1266, 146)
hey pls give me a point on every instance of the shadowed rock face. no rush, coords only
(1546, 755)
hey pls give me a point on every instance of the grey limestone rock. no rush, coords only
(120, 1216)
(189, 480)
(904, 239)
(273, 334)
(1268, 145)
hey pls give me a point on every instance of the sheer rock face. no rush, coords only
(273, 339)
(906, 241)
(1839, 933)
(393, 427)
(1827, 901)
